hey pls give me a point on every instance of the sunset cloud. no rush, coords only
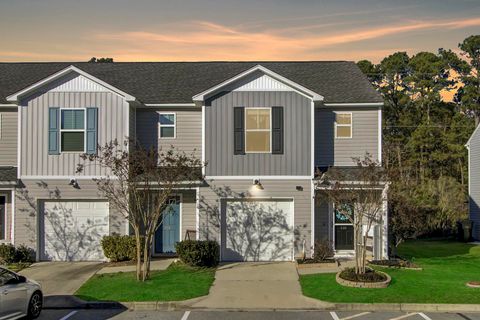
(204, 40)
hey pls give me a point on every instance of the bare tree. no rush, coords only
(359, 197)
(139, 185)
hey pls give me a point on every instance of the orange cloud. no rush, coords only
(204, 40)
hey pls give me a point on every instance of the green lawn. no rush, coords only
(174, 284)
(447, 266)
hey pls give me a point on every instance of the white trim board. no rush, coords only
(307, 92)
(355, 104)
(258, 177)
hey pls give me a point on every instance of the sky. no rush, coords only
(227, 30)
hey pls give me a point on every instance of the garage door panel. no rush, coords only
(72, 231)
(258, 231)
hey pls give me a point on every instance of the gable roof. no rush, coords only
(15, 96)
(209, 92)
(178, 82)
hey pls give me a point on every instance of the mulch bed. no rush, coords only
(369, 276)
(311, 261)
(395, 263)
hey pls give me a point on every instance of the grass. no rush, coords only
(447, 266)
(18, 266)
(173, 284)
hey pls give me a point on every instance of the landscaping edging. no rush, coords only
(371, 285)
(394, 267)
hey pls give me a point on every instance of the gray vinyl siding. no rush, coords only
(219, 155)
(8, 212)
(330, 151)
(210, 205)
(35, 160)
(28, 199)
(474, 183)
(8, 136)
(188, 129)
(189, 213)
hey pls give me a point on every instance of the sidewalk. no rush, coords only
(155, 265)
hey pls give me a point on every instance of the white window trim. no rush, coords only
(349, 223)
(258, 130)
(344, 125)
(84, 130)
(174, 125)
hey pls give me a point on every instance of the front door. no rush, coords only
(343, 229)
(168, 233)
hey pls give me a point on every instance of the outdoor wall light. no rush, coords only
(74, 183)
(257, 184)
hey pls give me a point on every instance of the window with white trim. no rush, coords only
(343, 125)
(167, 123)
(258, 130)
(72, 130)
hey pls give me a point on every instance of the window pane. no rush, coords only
(344, 118)
(167, 132)
(73, 119)
(344, 131)
(73, 141)
(2, 218)
(258, 118)
(344, 213)
(257, 141)
(167, 119)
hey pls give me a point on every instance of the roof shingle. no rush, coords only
(178, 82)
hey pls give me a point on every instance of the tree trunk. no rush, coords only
(139, 253)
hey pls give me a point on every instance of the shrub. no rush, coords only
(24, 254)
(9, 254)
(323, 250)
(198, 253)
(119, 248)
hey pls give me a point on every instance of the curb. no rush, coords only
(408, 307)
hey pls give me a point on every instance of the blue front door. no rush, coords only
(168, 233)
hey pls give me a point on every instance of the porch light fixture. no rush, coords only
(74, 183)
(257, 184)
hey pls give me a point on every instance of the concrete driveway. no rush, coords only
(257, 286)
(61, 278)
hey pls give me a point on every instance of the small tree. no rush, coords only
(365, 193)
(139, 185)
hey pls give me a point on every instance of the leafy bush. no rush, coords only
(24, 254)
(119, 248)
(198, 253)
(323, 250)
(9, 254)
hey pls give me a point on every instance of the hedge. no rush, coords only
(11, 254)
(119, 248)
(198, 253)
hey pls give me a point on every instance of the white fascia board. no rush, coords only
(169, 104)
(7, 105)
(470, 139)
(14, 97)
(260, 177)
(201, 96)
(355, 104)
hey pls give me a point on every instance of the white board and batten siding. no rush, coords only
(76, 92)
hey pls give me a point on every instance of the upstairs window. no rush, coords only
(72, 130)
(167, 122)
(343, 125)
(258, 132)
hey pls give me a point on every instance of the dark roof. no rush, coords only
(178, 82)
(8, 174)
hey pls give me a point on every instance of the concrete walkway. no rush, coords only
(61, 278)
(155, 265)
(257, 286)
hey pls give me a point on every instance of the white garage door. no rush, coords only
(257, 230)
(72, 230)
